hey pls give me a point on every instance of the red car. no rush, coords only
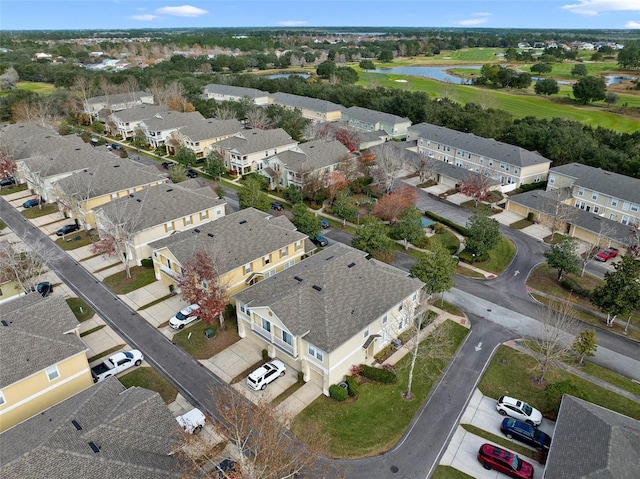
(606, 254)
(494, 457)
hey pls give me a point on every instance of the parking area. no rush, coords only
(463, 448)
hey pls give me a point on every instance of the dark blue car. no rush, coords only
(31, 203)
(320, 240)
(524, 432)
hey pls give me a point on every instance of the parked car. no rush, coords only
(167, 164)
(524, 432)
(193, 421)
(324, 224)
(8, 181)
(32, 202)
(184, 316)
(508, 406)
(320, 240)
(227, 469)
(191, 173)
(116, 146)
(43, 288)
(66, 229)
(607, 253)
(494, 457)
(276, 205)
(266, 374)
(116, 364)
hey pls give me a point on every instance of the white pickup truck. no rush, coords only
(116, 364)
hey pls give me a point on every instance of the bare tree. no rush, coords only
(424, 166)
(601, 237)
(257, 118)
(84, 89)
(633, 240)
(8, 166)
(475, 185)
(25, 262)
(74, 191)
(225, 113)
(40, 111)
(556, 214)
(389, 161)
(552, 342)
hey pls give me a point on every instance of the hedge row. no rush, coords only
(354, 388)
(454, 226)
(379, 374)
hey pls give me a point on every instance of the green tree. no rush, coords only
(139, 139)
(588, 89)
(343, 206)
(326, 69)
(177, 173)
(435, 269)
(305, 220)
(293, 194)
(611, 98)
(541, 68)
(385, 56)
(185, 156)
(372, 238)
(562, 257)
(367, 65)
(409, 226)
(620, 293)
(585, 343)
(548, 86)
(579, 70)
(484, 234)
(252, 196)
(346, 75)
(629, 56)
(214, 165)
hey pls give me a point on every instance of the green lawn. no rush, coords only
(511, 372)
(448, 472)
(448, 240)
(499, 257)
(120, 284)
(7, 190)
(77, 240)
(81, 310)
(357, 429)
(194, 341)
(611, 377)
(520, 224)
(148, 378)
(42, 210)
(40, 88)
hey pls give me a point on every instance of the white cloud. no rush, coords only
(144, 18)
(292, 23)
(632, 24)
(182, 11)
(595, 7)
(479, 19)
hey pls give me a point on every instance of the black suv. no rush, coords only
(191, 173)
(7, 181)
(276, 205)
(66, 229)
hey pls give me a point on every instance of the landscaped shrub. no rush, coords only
(146, 263)
(541, 185)
(356, 370)
(468, 257)
(265, 355)
(230, 311)
(460, 229)
(354, 388)
(439, 228)
(300, 377)
(423, 243)
(379, 374)
(337, 393)
(531, 216)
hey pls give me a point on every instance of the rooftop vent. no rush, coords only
(170, 189)
(330, 257)
(297, 278)
(4, 323)
(196, 230)
(77, 425)
(115, 166)
(94, 447)
(316, 287)
(351, 265)
(210, 235)
(243, 222)
(131, 195)
(138, 200)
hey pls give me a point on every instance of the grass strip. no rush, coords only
(502, 441)
(120, 284)
(448, 472)
(286, 393)
(153, 303)
(106, 353)
(92, 330)
(81, 310)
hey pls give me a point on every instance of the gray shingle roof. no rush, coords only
(133, 429)
(172, 119)
(487, 147)
(139, 112)
(211, 128)
(602, 181)
(36, 337)
(252, 141)
(591, 442)
(314, 154)
(119, 97)
(160, 204)
(374, 116)
(66, 160)
(229, 90)
(237, 239)
(109, 176)
(304, 102)
(11, 135)
(47, 143)
(353, 292)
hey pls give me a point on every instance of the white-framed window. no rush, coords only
(242, 307)
(266, 324)
(283, 252)
(204, 215)
(247, 268)
(385, 318)
(458, 163)
(287, 338)
(298, 245)
(114, 196)
(625, 220)
(503, 166)
(366, 332)
(536, 179)
(218, 211)
(614, 201)
(266, 259)
(169, 226)
(612, 217)
(634, 207)
(516, 170)
(490, 162)
(187, 221)
(52, 372)
(594, 195)
(596, 209)
(581, 191)
(289, 264)
(415, 296)
(552, 179)
(315, 352)
(270, 273)
(625, 206)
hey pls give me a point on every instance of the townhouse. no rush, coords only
(43, 359)
(372, 121)
(148, 215)
(222, 93)
(246, 246)
(79, 194)
(160, 126)
(314, 109)
(101, 106)
(247, 151)
(124, 123)
(319, 317)
(319, 157)
(512, 166)
(200, 136)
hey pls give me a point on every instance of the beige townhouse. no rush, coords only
(246, 246)
(140, 218)
(247, 151)
(314, 109)
(124, 123)
(43, 359)
(102, 106)
(160, 126)
(333, 310)
(372, 121)
(222, 93)
(199, 137)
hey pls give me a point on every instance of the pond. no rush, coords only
(286, 75)
(435, 73)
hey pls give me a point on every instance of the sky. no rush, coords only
(129, 14)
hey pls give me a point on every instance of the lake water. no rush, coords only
(435, 73)
(286, 75)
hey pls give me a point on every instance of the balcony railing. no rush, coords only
(267, 336)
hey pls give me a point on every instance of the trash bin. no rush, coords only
(210, 333)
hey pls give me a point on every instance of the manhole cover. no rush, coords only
(394, 469)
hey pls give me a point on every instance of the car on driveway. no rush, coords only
(276, 205)
(44, 288)
(266, 374)
(525, 432)
(32, 202)
(66, 229)
(184, 316)
(167, 164)
(226, 469)
(508, 406)
(193, 421)
(494, 457)
(607, 253)
(320, 240)
(191, 173)
(324, 224)
(8, 181)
